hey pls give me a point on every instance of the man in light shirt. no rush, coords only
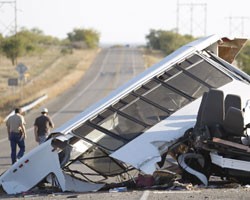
(17, 134)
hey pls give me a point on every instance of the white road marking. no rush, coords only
(177, 191)
(145, 195)
(85, 89)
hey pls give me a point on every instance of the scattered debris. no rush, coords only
(118, 189)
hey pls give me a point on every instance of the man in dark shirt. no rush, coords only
(42, 126)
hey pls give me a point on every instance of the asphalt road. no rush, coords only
(111, 68)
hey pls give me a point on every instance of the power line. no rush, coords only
(237, 25)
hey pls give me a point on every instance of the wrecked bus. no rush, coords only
(190, 110)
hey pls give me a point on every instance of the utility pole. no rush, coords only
(10, 28)
(177, 17)
(15, 18)
(192, 19)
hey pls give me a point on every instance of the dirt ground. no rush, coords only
(212, 192)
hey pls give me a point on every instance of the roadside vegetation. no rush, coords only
(166, 41)
(152, 56)
(243, 59)
(52, 64)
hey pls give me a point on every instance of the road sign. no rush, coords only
(12, 81)
(21, 68)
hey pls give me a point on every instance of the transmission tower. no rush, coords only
(194, 15)
(8, 26)
(237, 25)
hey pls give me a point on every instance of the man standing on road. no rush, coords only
(16, 133)
(42, 126)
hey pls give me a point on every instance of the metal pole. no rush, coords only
(15, 18)
(177, 17)
(192, 7)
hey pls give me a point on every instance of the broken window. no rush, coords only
(152, 102)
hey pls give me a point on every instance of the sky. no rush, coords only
(128, 21)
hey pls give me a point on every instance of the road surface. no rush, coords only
(111, 68)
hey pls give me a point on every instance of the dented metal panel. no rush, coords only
(31, 169)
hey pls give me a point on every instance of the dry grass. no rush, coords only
(152, 57)
(49, 73)
(36, 65)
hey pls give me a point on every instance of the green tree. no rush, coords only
(26, 42)
(243, 58)
(12, 47)
(1, 43)
(153, 39)
(35, 39)
(166, 41)
(170, 41)
(90, 37)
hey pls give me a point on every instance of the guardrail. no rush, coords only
(29, 106)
